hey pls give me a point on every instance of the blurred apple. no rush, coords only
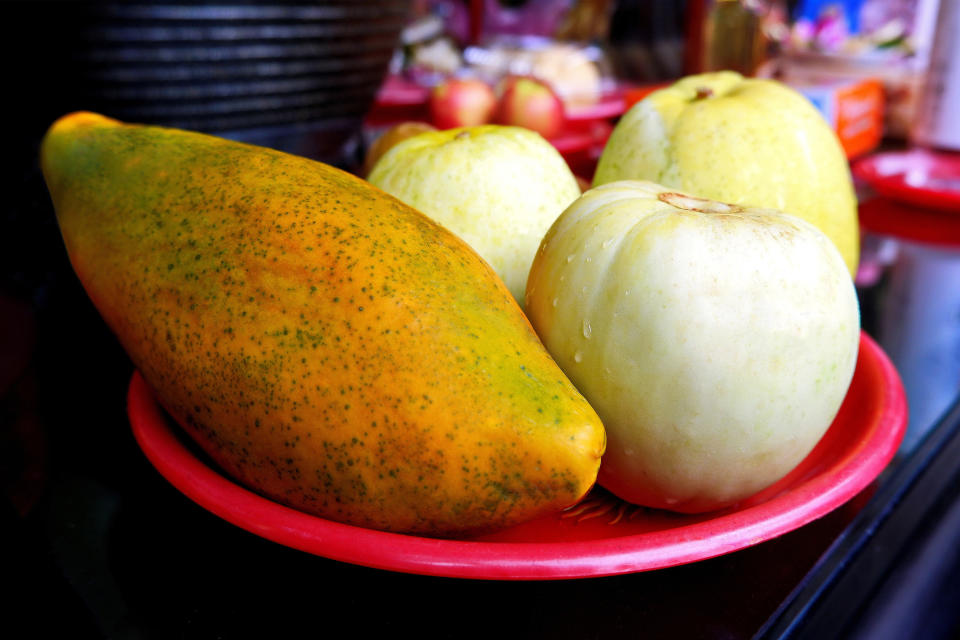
(389, 138)
(462, 102)
(530, 103)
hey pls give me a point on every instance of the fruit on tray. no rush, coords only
(531, 103)
(497, 187)
(461, 102)
(325, 344)
(747, 141)
(715, 341)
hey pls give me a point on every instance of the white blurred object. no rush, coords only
(579, 73)
(938, 111)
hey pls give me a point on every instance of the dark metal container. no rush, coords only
(294, 76)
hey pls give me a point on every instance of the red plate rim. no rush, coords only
(730, 531)
(609, 105)
(886, 173)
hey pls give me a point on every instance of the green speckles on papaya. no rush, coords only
(334, 348)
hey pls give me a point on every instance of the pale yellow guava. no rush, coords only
(716, 342)
(748, 141)
(497, 187)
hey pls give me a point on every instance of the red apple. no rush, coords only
(531, 103)
(462, 102)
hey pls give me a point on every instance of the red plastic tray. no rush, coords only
(925, 225)
(610, 105)
(918, 177)
(602, 536)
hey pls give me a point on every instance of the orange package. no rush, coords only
(854, 108)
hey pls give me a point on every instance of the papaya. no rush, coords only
(324, 344)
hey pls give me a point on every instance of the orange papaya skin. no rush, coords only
(325, 344)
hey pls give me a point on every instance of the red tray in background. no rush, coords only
(918, 177)
(602, 536)
(888, 217)
(397, 91)
(610, 105)
(399, 99)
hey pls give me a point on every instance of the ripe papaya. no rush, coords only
(325, 344)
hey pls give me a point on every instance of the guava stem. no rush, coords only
(691, 203)
(703, 92)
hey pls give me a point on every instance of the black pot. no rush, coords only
(294, 76)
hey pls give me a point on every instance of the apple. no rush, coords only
(747, 141)
(497, 187)
(715, 341)
(461, 102)
(531, 103)
(389, 138)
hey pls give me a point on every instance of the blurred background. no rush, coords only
(324, 79)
